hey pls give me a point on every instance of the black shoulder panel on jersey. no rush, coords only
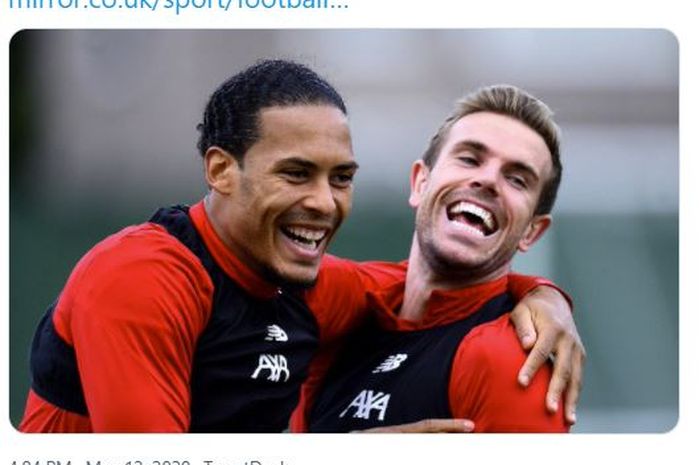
(54, 369)
(176, 221)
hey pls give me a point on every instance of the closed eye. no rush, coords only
(295, 175)
(517, 181)
(342, 180)
(470, 161)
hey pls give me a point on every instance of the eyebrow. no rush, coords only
(519, 166)
(347, 166)
(479, 149)
(470, 145)
(304, 163)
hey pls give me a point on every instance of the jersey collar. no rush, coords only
(444, 306)
(234, 268)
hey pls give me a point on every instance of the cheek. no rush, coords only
(425, 222)
(520, 204)
(343, 202)
(272, 201)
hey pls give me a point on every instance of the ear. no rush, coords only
(220, 170)
(419, 179)
(537, 227)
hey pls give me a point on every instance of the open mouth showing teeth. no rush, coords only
(473, 216)
(308, 238)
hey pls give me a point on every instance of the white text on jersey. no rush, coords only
(366, 401)
(277, 364)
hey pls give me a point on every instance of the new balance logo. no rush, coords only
(392, 362)
(276, 364)
(275, 333)
(366, 401)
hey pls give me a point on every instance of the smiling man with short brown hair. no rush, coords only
(442, 344)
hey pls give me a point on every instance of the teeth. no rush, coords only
(308, 234)
(466, 207)
(470, 228)
(307, 238)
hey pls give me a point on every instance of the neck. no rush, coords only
(422, 278)
(218, 215)
(420, 283)
(214, 209)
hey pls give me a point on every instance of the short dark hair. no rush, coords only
(231, 117)
(514, 102)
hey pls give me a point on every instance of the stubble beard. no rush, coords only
(448, 268)
(277, 278)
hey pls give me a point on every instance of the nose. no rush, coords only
(485, 179)
(320, 198)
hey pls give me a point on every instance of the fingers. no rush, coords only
(441, 425)
(537, 356)
(521, 316)
(561, 375)
(575, 385)
(547, 315)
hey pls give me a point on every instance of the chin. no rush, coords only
(452, 260)
(294, 276)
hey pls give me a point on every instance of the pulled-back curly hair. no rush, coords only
(231, 116)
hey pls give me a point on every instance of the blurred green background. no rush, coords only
(102, 134)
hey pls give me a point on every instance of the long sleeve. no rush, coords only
(132, 310)
(520, 285)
